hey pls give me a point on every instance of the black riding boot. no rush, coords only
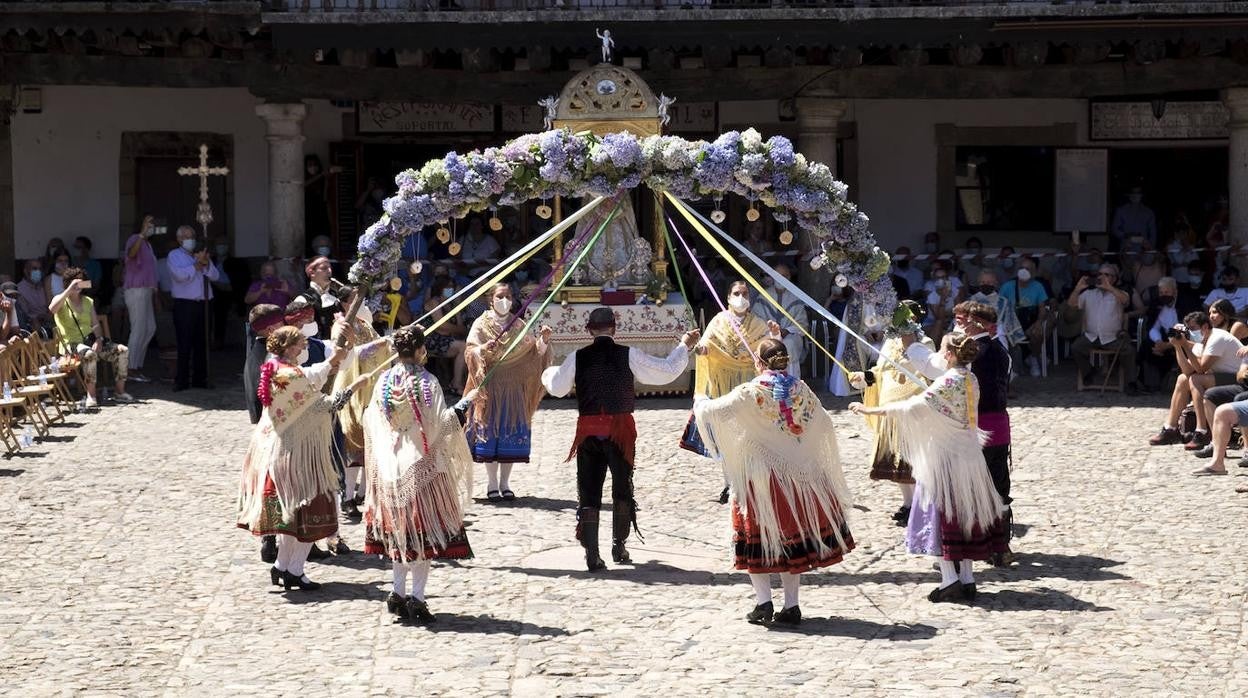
(621, 521)
(587, 533)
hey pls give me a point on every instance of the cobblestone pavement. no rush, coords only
(122, 574)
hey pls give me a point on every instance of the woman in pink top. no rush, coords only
(270, 288)
(140, 287)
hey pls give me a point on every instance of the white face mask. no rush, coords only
(303, 357)
(739, 303)
(502, 305)
(309, 329)
(188, 244)
(323, 251)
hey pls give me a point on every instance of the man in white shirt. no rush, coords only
(604, 375)
(792, 337)
(1103, 305)
(1204, 354)
(1228, 288)
(478, 248)
(904, 267)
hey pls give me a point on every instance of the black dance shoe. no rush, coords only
(620, 554)
(340, 548)
(968, 590)
(419, 612)
(762, 614)
(268, 549)
(276, 576)
(317, 554)
(350, 510)
(789, 616)
(395, 605)
(593, 562)
(289, 580)
(902, 516)
(950, 594)
(723, 496)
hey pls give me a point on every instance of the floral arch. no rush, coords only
(562, 163)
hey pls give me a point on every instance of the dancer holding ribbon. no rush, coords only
(779, 452)
(500, 420)
(419, 475)
(956, 514)
(725, 358)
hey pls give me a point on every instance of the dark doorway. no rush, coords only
(1187, 180)
(174, 198)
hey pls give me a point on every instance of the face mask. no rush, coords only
(448, 292)
(929, 247)
(268, 275)
(303, 357)
(739, 303)
(221, 250)
(309, 329)
(1198, 336)
(502, 305)
(1007, 263)
(1195, 278)
(323, 251)
(189, 244)
(522, 276)
(36, 276)
(988, 289)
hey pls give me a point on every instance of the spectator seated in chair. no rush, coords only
(1204, 353)
(1156, 355)
(1104, 307)
(1229, 289)
(82, 335)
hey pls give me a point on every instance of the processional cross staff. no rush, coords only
(203, 215)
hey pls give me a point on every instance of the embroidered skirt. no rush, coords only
(494, 443)
(691, 440)
(313, 521)
(801, 550)
(890, 466)
(929, 532)
(457, 548)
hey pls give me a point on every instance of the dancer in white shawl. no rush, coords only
(778, 450)
(956, 513)
(289, 478)
(419, 474)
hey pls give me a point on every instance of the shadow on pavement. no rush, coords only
(335, 591)
(858, 629)
(1081, 568)
(6, 472)
(641, 573)
(539, 503)
(1044, 599)
(487, 624)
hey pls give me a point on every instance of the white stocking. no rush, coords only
(789, 581)
(420, 576)
(491, 475)
(504, 476)
(352, 482)
(400, 578)
(965, 575)
(907, 493)
(299, 557)
(285, 549)
(762, 588)
(948, 573)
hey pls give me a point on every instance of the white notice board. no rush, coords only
(1081, 190)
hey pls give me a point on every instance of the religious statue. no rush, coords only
(665, 104)
(607, 43)
(551, 105)
(620, 256)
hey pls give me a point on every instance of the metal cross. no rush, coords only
(203, 214)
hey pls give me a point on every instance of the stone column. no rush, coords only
(285, 136)
(817, 122)
(8, 249)
(1236, 100)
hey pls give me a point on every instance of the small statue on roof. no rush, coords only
(607, 43)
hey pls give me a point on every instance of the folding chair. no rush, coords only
(36, 357)
(31, 400)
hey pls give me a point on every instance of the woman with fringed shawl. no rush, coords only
(369, 353)
(289, 479)
(500, 420)
(779, 453)
(419, 475)
(888, 384)
(723, 360)
(956, 513)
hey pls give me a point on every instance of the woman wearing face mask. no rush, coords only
(500, 423)
(54, 283)
(447, 341)
(56, 248)
(289, 477)
(724, 361)
(956, 514)
(269, 288)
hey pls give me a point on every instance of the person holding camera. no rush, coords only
(190, 271)
(1204, 353)
(1104, 307)
(82, 334)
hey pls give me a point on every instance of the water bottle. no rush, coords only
(43, 376)
(28, 439)
(56, 364)
(8, 391)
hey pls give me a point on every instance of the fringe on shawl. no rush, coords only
(947, 460)
(424, 506)
(811, 483)
(358, 363)
(515, 388)
(726, 364)
(298, 459)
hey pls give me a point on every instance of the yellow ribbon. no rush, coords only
(723, 253)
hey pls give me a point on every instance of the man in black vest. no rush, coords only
(604, 375)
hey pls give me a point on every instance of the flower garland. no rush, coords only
(265, 390)
(563, 163)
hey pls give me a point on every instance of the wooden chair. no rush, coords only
(7, 417)
(37, 357)
(1099, 357)
(31, 400)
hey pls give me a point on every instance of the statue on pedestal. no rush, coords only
(620, 256)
